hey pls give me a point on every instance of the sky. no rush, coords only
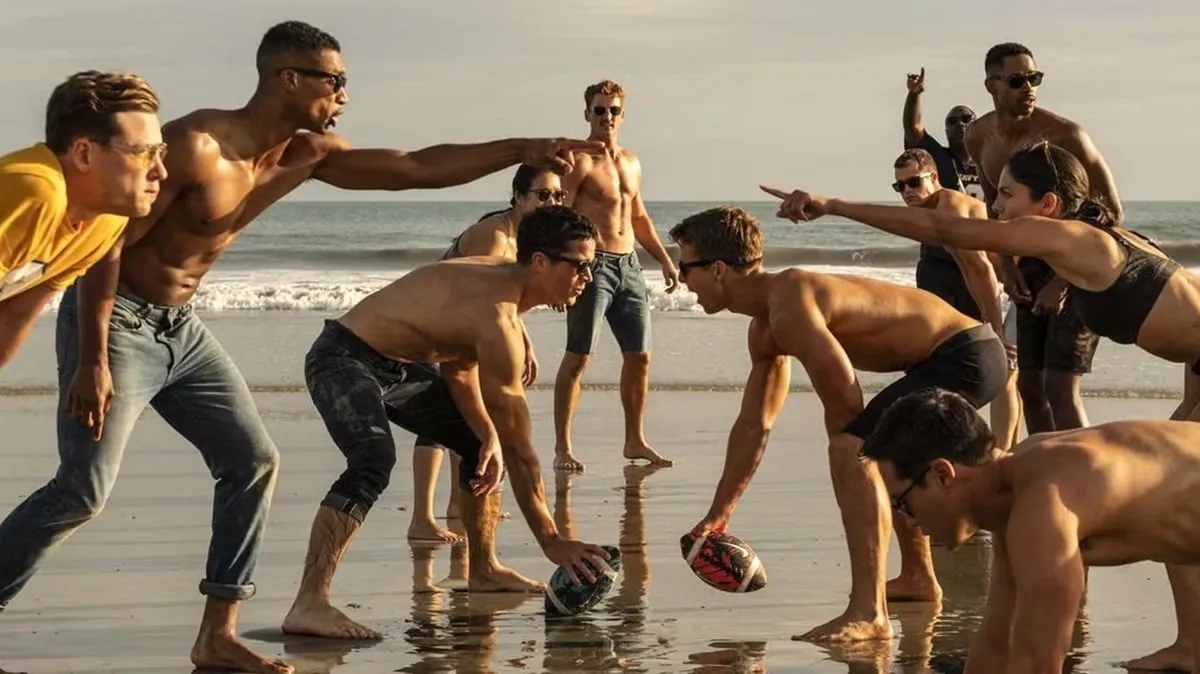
(722, 94)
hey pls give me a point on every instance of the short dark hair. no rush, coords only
(728, 233)
(921, 158)
(86, 104)
(996, 55)
(549, 230)
(929, 424)
(294, 37)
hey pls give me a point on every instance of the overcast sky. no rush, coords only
(723, 94)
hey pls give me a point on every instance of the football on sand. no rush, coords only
(564, 598)
(723, 561)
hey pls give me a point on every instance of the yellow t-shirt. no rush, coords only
(37, 243)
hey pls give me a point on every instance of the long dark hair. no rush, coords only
(1044, 168)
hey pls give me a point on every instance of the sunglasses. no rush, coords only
(1018, 80)
(600, 110)
(963, 120)
(901, 501)
(581, 266)
(912, 182)
(338, 81)
(143, 154)
(683, 266)
(543, 195)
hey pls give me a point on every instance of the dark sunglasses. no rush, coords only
(599, 110)
(960, 119)
(901, 501)
(543, 195)
(912, 182)
(581, 266)
(708, 262)
(338, 81)
(1018, 80)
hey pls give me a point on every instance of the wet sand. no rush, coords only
(120, 595)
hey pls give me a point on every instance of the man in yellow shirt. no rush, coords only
(64, 203)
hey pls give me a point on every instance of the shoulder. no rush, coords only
(977, 130)
(793, 291)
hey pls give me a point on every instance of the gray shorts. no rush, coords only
(617, 293)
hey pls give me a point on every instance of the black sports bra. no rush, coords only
(1118, 311)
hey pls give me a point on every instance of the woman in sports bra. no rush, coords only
(495, 234)
(1122, 286)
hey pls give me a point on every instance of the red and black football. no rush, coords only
(723, 561)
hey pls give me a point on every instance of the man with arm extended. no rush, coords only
(608, 190)
(65, 202)
(375, 365)
(137, 334)
(1054, 349)
(917, 181)
(833, 325)
(1109, 495)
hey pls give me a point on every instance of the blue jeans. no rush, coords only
(166, 358)
(618, 293)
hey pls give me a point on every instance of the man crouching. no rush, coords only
(375, 365)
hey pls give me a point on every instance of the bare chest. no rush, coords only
(611, 182)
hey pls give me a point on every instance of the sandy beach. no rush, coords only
(120, 596)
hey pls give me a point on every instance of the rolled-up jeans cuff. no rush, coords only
(227, 592)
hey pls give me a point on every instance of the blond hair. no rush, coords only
(602, 88)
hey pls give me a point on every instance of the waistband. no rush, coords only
(149, 311)
(976, 333)
(355, 347)
(615, 256)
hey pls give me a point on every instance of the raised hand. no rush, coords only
(916, 82)
(798, 205)
(558, 154)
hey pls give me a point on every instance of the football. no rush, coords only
(723, 561)
(564, 598)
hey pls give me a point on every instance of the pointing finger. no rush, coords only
(590, 146)
(778, 193)
(922, 72)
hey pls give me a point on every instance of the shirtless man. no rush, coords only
(608, 190)
(917, 181)
(65, 202)
(136, 333)
(1054, 350)
(1109, 495)
(376, 364)
(834, 325)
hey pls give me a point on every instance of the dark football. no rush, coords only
(564, 598)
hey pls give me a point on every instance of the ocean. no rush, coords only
(302, 260)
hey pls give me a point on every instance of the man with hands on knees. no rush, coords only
(374, 366)
(833, 324)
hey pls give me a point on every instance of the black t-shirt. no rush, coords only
(953, 175)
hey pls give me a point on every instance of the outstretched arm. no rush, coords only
(440, 165)
(989, 650)
(976, 267)
(762, 399)
(1079, 143)
(1048, 575)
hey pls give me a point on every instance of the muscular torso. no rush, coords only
(437, 313)
(170, 256)
(882, 327)
(992, 146)
(603, 189)
(1133, 486)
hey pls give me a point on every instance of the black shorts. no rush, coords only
(358, 391)
(971, 363)
(943, 277)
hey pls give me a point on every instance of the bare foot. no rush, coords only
(640, 450)
(325, 621)
(502, 579)
(901, 589)
(225, 651)
(1173, 658)
(428, 530)
(844, 629)
(565, 460)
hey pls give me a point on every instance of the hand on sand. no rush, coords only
(916, 82)
(558, 154)
(570, 555)
(798, 205)
(90, 396)
(490, 470)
